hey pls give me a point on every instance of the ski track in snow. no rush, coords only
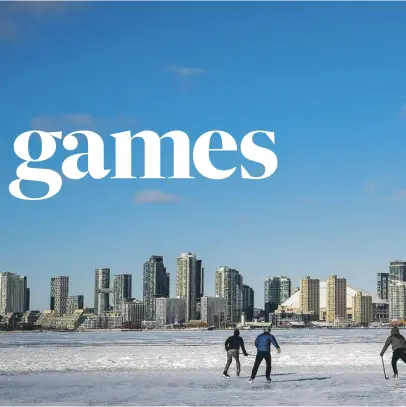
(316, 367)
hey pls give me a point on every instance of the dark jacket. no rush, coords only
(395, 339)
(264, 341)
(235, 342)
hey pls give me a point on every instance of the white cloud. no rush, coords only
(8, 29)
(82, 121)
(398, 195)
(184, 72)
(37, 8)
(372, 186)
(48, 123)
(154, 196)
(402, 113)
(17, 15)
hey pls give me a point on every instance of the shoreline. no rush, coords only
(181, 330)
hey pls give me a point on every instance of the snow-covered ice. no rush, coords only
(316, 367)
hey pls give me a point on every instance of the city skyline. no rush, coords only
(333, 301)
(111, 279)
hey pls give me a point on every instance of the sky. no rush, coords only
(327, 78)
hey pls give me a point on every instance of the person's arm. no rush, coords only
(256, 341)
(227, 343)
(243, 347)
(386, 346)
(275, 343)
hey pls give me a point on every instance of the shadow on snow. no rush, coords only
(272, 375)
(302, 380)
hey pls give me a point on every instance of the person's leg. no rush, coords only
(229, 360)
(395, 358)
(268, 366)
(258, 360)
(237, 361)
(402, 355)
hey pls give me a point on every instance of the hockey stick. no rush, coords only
(383, 365)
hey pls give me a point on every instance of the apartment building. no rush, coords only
(122, 290)
(133, 313)
(248, 302)
(336, 304)
(75, 302)
(276, 291)
(397, 302)
(362, 309)
(102, 291)
(13, 293)
(170, 311)
(155, 285)
(213, 311)
(59, 295)
(310, 295)
(383, 286)
(189, 283)
(229, 284)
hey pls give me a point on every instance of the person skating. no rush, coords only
(233, 345)
(263, 344)
(398, 343)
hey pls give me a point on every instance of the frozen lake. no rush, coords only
(316, 367)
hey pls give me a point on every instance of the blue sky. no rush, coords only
(327, 78)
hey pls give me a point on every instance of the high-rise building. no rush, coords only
(336, 301)
(27, 300)
(189, 283)
(397, 302)
(276, 291)
(248, 302)
(272, 295)
(75, 302)
(199, 286)
(397, 271)
(383, 286)
(199, 279)
(310, 295)
(380, 311)
(102, 291)
(133, 313)
(170, 311)
(396, 295)
(239, 295)
(12, 293)
(286, 289)
(168, 285)
(59, 294)
(229, 286)
(26, 294)
(155, 285)
(212, 310)
(122, 289)
(362, 309)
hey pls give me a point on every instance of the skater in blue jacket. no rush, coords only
(263, 345)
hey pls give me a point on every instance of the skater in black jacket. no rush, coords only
(233, 345)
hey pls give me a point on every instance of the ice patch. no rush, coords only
(316, 367)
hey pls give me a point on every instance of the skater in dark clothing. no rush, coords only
(233, 345)
(263, 345)
(398, 343)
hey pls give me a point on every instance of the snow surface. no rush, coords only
(316, 367)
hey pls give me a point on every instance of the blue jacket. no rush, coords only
(263, 342)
